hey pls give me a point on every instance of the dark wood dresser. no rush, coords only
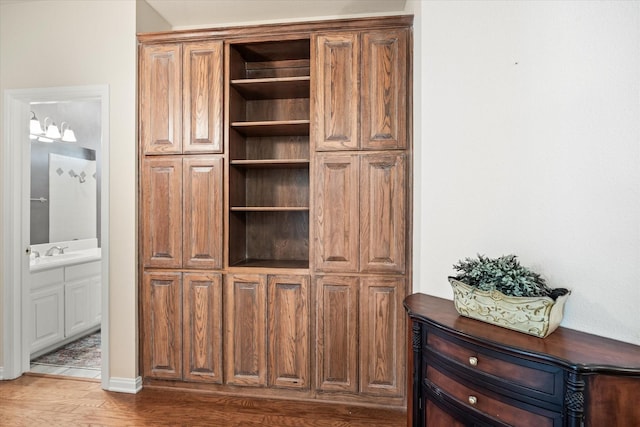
(463, 372)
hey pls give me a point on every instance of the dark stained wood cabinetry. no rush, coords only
(361, 90)
(275, 205)
(266, 336)
(202, 327)
(469, 373)
(181, 102)
(182, 202)
(360, 331)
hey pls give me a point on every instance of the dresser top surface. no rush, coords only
(578, 350)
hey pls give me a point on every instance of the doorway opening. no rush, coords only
(56, 208)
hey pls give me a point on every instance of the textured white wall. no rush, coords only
(528, 142)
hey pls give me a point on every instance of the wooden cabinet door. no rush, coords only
(160, 99)
(162, 212)
(336, 213)
(382, 336)
(288, 331)
(203, 215)
(203, 97)
(202, 322)
(162, 325)
(337, 333)
(382, 213)
(384, 89)
(336, 92)
(245, 330)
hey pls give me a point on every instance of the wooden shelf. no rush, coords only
(273, 88)
(270, 208)
(273, 263)
(272, 163)
(273, 128)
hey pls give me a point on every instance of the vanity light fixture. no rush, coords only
(52, 130)
(53, 133)
(34, 127)
(67, 134)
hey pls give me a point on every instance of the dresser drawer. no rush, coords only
(475, 398)
(537, 380)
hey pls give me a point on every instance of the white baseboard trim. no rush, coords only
(1, 373)
(125, 385)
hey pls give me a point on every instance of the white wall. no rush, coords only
(90, 42)
(528, 142)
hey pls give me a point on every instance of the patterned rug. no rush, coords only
(83, 353)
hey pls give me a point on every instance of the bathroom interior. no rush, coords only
(65, 241)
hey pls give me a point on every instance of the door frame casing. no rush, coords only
(15, 200)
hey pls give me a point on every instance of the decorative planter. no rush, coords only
(538, 316)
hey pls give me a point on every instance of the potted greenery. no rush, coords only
(503, 292)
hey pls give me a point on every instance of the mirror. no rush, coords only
(65, 176)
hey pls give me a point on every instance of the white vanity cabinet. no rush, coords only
(81, 297)
(65, 303)
(47, 308)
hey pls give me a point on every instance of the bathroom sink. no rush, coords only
(56, 258)
(46, 262)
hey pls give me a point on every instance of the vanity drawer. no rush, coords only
(538, 380)
(81, 271)
(475, 398)
(44, 278)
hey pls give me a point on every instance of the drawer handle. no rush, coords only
(473, 361)
(473, 400)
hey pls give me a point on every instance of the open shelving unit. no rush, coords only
(268, 87)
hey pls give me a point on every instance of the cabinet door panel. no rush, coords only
(382, 213)
(336, 92)
(381, 336)
(203, 189)
(161, 99)
(203, 96)
(162, 207)
(384, 90)
(245, 335)
(162, 325)
(337, 329)
(202, 320)
(288, 322)
(77, 314)
(47, 317)
(336, 208)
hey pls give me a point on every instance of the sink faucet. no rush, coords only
(55, 248)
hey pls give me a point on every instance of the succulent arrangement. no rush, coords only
(506, 275)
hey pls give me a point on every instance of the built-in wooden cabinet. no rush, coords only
(182, 200)
(275, 209)
(359, 334)
(361, 208)
(361, 90)
(181, 104)
(267, 330)
(202, 327)
(182, 326)
(162, 324)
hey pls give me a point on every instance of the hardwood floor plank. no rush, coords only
(33, 401)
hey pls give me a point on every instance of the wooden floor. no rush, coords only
(44, 401)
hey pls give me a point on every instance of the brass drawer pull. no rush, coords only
(473, 361)
(473, 400)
